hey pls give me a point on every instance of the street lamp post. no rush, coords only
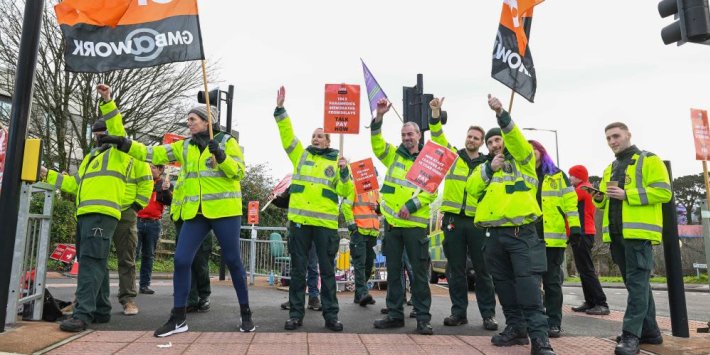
(557, 146)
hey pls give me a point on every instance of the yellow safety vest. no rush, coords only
(559, 204)
(396, 190)
(316, 183)
(647, 187)
(358, 210)
(510, 193)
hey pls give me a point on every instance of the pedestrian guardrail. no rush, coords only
(29, 261)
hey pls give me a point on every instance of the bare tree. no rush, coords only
(152, 100)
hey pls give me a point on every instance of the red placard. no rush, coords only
(281, 186)
(64, 253)
(431, 166)
(342, 109)
(253, 212)
(364, 176)
(172, 138)
(701, 133)
(58, 251)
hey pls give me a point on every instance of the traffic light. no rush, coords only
(416, 105)
(693, 23)
(216, 100)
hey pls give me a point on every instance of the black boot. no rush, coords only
(629, 345)
(247, 324)
(541, 347)
(511, 336)
(176, 324)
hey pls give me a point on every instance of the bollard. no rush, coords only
(252, 256)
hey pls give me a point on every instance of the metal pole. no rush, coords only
(557, 148)
(674, 267)
(19, 114)
(705, 217)
(252, 255)
(230, 97)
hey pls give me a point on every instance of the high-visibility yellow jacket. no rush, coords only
(139, 185)
(396, 191)
(455, 199)
(647, 187)
(100, 182)
(176, 205)
(317, 181)
(509, 192)
(358, 210)
(559, 204)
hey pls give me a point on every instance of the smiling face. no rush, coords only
(320, 139)
(618, 139)
(495, 145)
(410, 136)
(474, 140)
(196, 124)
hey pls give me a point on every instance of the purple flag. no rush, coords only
(374, 91)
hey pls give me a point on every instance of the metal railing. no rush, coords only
(29, 261)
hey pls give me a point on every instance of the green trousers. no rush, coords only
(363, 257)
(125, 239)
(326, 241)
(200, 287)
(92, 288)
(635, 260)
(516, 258)
(415, 242)
(461, 240)
(552, 284)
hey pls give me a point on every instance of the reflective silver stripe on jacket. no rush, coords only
(304, 213)
(384, 154)
(110, 114)
(397, 164)
(213, 197)
(185, 146)
(77, 178)
(58, 183)
(527, 159)
(149, 154)
(292, 146)
(139, 179)
(365, 216)
(436, 133)
(660, 185)
(572, 214)
(455, 177)
(555, 235)
(484, 176)
(142, 199)
(509, 127)
(87, 203)
(553, 193)
(417, 202)
(312, 179)
(376, 131)
(639, 179)
(455, 205)
(567, 190)
(400, 182)
(411, 218)
(211, 173)
(104, 173)
(517, 221)
(282, 116)
(640, 226)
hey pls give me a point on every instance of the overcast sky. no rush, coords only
(595, 64)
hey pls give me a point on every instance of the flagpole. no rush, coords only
(342, 141)
(510, 105)
(207, 99)
(395, 111)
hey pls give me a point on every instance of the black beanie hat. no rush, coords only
(99, 126)
(493, 132)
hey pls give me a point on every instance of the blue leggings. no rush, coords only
(192, 234)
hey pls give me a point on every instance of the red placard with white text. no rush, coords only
(701, 133)
(431, 166)
(364, 176)
(342, 109)
(64, 253)
(253, 212)
(172, 138)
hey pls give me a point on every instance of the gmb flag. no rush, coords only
(104, 35)
(512, 61)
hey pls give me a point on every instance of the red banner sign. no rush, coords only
(253, 212)
(701, 133)
(64, 253)
(281, 186)
(169, 138)
(342, 109)
(431, 166)
(364, 176)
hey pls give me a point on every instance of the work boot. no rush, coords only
(130, 308)
(102, 318)
(203, 305)
(629, 345)
(541, 347)
(334, 325)
(454, 320)
(293, 323)
(146, 290)
(314, 303)
(511, 336)
(555, 331)
(598, 311)
(367, 299)
(489, 323)
(582, 308)
(246, 325)
(655, 338)
(424, 327)
(286, 305)
(176, 324)
(73, 325)
(413, 314)
(385, 310)
(388, 323)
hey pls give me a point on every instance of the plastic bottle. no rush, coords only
(271, 278)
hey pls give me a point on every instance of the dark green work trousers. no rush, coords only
(461, 240)
(126, 238)
(363, 256)
(552, 284)
(326, 241)
(416, 244)
(635, 260)
(200, 288)
(516, 259)
(93, 245)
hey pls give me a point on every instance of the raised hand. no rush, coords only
(105, 92)
(435, 106)
(342, 163)
(280, 97)
(383, 106)
(495, 104)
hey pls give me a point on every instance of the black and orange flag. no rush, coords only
(105, 35)
(512, 62)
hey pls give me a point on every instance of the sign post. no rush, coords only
(342, 110)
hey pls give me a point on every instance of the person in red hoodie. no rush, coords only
(149, 227)
(594, 297)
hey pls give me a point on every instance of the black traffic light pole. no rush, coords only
(19, 114)
(674, 267)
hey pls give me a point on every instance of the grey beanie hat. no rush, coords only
(201, 111)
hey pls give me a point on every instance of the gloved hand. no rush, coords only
(352, 228)
(122, 143)
(136, 207)
(217, 151)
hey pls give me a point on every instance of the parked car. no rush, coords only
(438, 265)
